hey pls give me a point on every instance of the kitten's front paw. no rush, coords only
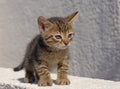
(47, 82)
(63, 81)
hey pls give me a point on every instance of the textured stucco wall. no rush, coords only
(95, 51)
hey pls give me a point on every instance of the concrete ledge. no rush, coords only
(13, 80)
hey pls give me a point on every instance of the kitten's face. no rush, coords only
(57, 38)
(57, 32)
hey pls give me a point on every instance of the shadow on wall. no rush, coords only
(95, 51)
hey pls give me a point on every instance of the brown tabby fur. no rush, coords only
(49, 49)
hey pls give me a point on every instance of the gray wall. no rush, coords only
(95, 51)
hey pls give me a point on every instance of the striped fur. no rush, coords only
(47, 50)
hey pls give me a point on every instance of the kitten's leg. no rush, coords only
(44, 76)
(36, 75)
(62, 73)
(29, 77)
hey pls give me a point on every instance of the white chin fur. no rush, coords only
(61, 48)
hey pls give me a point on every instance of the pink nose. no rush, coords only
(66, 43)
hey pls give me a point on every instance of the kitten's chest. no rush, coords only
(54, 57)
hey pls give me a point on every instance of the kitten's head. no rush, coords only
(57, 32)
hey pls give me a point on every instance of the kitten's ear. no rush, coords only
(44, 24)
(71, 17)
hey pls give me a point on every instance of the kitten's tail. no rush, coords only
(20, 67)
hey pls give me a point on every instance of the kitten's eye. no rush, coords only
(58, 37)
(70, 35)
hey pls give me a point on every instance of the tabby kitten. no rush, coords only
(49, 49)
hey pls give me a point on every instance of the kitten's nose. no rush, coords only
(66, 43)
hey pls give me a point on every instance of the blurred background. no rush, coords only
(95, 51)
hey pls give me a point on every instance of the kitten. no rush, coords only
(48, 49)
